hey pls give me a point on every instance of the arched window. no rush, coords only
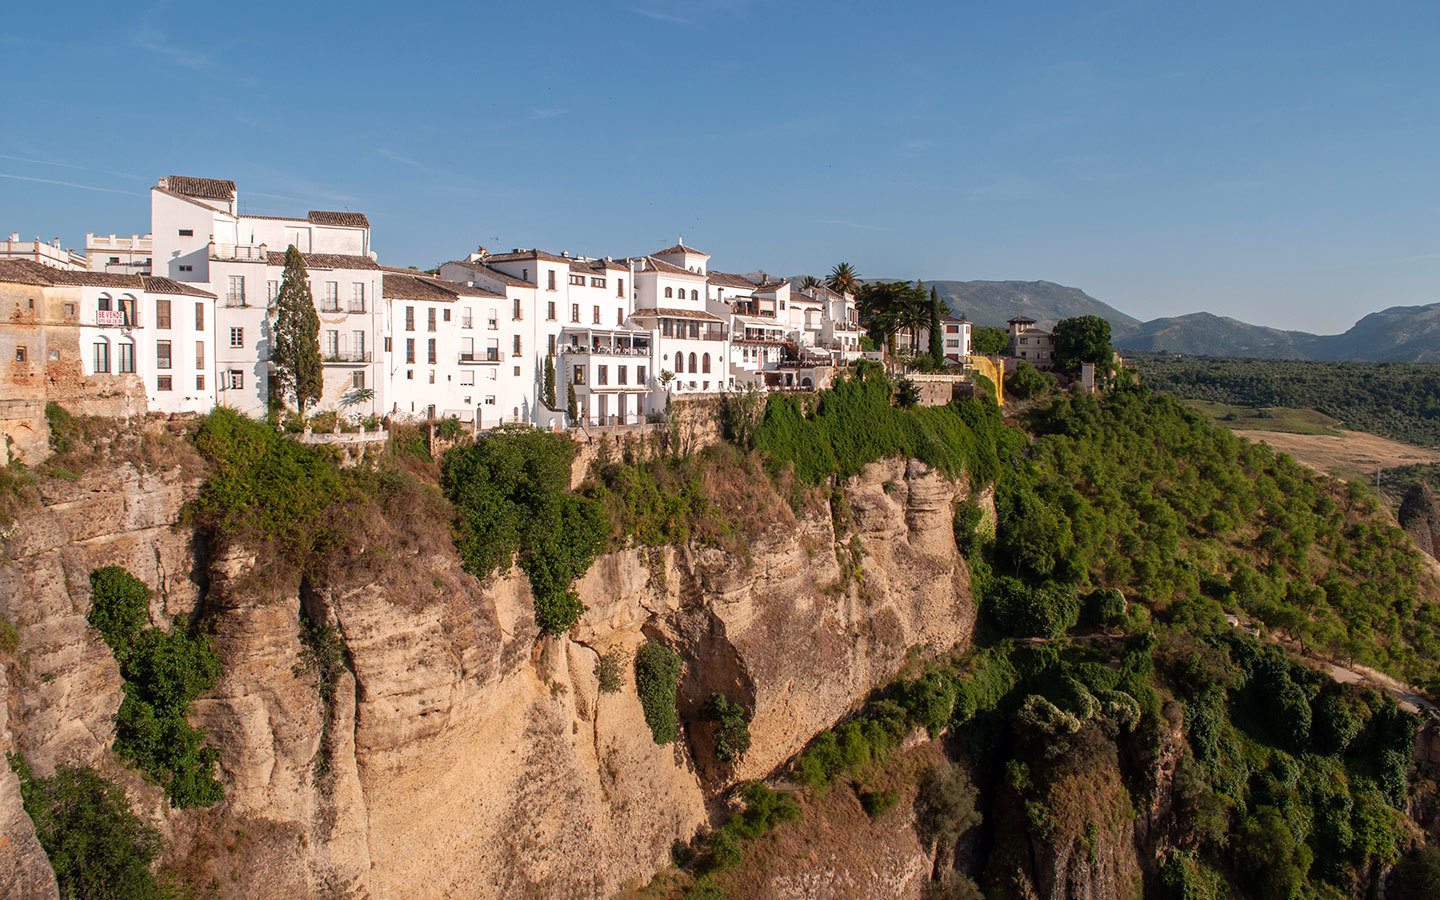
(125, 359)
(705, 364)
(127, 310)
(102, 355)
(692, 363)
(670, 292)
(679, 363)
(103, 303)
(694, 294)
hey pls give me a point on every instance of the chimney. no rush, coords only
(14, 237)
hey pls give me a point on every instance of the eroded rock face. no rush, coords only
(1420, 517)
(467, 755)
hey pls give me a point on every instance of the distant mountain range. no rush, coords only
(1397, 334)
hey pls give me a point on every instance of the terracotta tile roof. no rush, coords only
(677, 314)
(452, 287)
(24, 271)
(96, 279)
(770, 287)
(154, 284)
(344, 219)
(725, 279)
(485, 271)
(327, 261)
(274, 218)
(680, 248)
(1021, 320)
(598, 265)
(644, 263)
(408, 287)
(205, 188)
(519, 253)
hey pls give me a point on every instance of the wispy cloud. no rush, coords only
(69, 184)
(684, 12)
(548, 112)
(61, 165)
(863, 226)
(148, 36)
(403, 160)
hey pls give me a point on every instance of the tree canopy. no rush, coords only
(295, 354)
(1082, 339)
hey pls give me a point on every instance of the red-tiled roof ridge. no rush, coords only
(156, 284)
(206, 188)
(342, 219)
(483, 270)
(327, 260)
(680, 247)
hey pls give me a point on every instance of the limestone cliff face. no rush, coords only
(1420, 517)
(464, 754)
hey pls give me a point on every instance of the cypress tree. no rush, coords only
(295, 354)
(937, 339)
(550, 381)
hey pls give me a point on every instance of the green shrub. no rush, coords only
(657, 678)
(945, 805)
(511, 495)
(65, 430)
(96, 845)
(1418, 875)
(1028, 382)
(323, 655)
(163, 672)
(877, 803)
(732, 730)
(1022, 611)
(609, 671)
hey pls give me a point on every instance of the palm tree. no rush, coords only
(843, 279)
(809, 283)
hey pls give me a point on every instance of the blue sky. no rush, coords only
(1278, 162)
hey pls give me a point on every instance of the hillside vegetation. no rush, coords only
(1399, 401)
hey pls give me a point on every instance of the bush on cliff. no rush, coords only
(511, 495)
(657, 677)
(163, 672)
(96, 845)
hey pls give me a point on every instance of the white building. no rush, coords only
(126, 255)
(47, 254)
(691, 343)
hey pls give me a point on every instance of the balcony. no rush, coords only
(491, 355)
(357, 308)
(467, 322)
(235, 300)
(239, 252)
(343, 357)
(330, 305)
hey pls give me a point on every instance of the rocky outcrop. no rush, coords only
(24, 871)
(1420, 517)
(463, 753)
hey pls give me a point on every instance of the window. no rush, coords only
(162, 356)
(445, 315)
(597, 282)
(619, 316)
(666, 328)
(102, 356)
(489, 400)
(187, 232)
(619, 287)
(705, 364)
(70, 310)
(409, 318)
(669, 292)
(467, 320)
(639, 374)
(430, 319)
(492, 322)
(577, 280)
(692, 364)
(467, 377)
(492, 350)
(20, 353)
(515, 349)
(595, 315)
(272, 290)
(199, 354)
(389, 345)
(550, 310)
(357, 341)
(575, 312)
(549, 282)
(127, 311)
(430, 353)
(515, 314)
(200, 382)
(103, 304)
(114, 260)
(551, 344)
(517, 372)
(694, 294)
(579, 375)
(162, 382)
(357, 297)
(237, 337)
(357, 380)
(199, 317)
(621, 372)
(602, 374)
(236, 296)
(679, 363)
(410, 351)
(237, 379)
(467, 349)
(162, 313)
(332, 344)
(187, 268)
